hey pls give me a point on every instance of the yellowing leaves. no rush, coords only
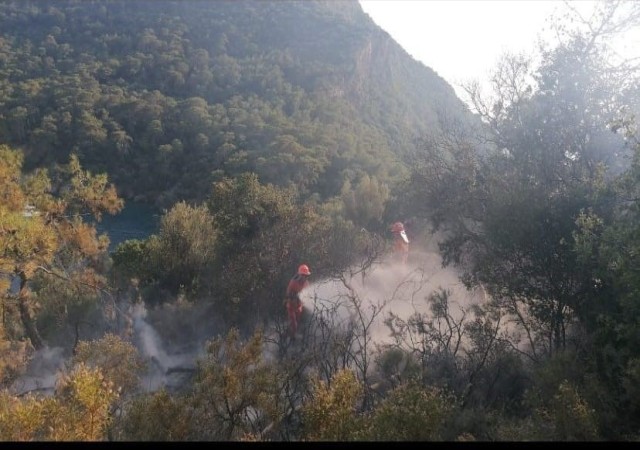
(11, 195)
(12, 356)
(84, 401)
(234, 392)
(25, 238)
(80, 237)
(79, 411)
(41, 225)
(20, 418)
(92, 191)
(329, 414)
(117, 358)
(411, 413)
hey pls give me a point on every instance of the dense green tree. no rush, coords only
(565, 417)
(132, 261)
(411, 413)
(189, 235)
(529, 207)
(265, 233)
(241, 86)
(609, 249)
(365, 202)
(43, 231)
(511, 207)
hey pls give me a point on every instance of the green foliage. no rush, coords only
(260, 231)
(158, 416)
(10, 172)
(234, 396)
(43, 231)
(516, 430)
(176, 260)
(524, 213)
(183, 249)
(365, 203)
(13, 357)
(89, 192)
(330, 413)
(85, 399)
(631, 384)
(21, 419)
(79, 411)
(396, 365)
(234, 392)
(243, 207)
(264, 234)
(563, 366)
(131, 260)
(65, 309)
(285, 126)
(178, 94)
(569, 416)
(118, 360)
(411, 413)
(564, 416)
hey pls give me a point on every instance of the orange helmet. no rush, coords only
(304, 270)
(397, 227)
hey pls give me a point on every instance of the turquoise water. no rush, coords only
(135, 221)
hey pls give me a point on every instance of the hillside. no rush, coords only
(275, 303)
(167, 97)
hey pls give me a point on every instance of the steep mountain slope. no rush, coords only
(170, 96)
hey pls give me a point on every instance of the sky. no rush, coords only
(462, 40)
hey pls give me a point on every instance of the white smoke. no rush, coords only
(164, 369)
(172, 353)
(391, 287)
(42, 372)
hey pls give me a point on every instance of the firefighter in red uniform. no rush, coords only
(400, 242)
(294, 305)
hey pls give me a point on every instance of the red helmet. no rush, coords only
(304, 270)
(397, 227)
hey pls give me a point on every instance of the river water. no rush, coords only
(135, 221)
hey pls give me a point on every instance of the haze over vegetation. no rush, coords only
(270, 134)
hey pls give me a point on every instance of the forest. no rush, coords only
(269, 134)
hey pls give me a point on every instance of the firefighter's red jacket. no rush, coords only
(296, 285)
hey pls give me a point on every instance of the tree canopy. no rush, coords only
(168, 97)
